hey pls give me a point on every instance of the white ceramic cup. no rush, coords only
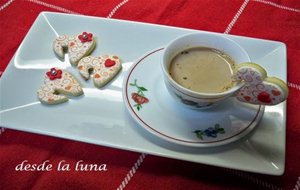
(187, 97)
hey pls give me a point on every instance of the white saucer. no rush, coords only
(157, 112)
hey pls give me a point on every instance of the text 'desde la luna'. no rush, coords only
(60, 166)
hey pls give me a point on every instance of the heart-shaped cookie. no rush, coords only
(258, 88)
(77, 46)
(58, 84)
(104, 68)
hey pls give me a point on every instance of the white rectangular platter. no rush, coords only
(100, 117)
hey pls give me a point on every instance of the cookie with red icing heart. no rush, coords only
(58, 84)
(77, 46)
(259, 88)
(104, 68)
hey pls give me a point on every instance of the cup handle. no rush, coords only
(259, 88)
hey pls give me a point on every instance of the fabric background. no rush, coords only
(268, 19)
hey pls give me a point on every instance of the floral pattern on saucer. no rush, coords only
(210, 132)
(143, 87)
(139, 97)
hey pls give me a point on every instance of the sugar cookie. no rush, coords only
(105, 68)
(259, 89)
(77, 46)
(58, 84)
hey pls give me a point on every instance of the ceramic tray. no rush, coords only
(101, 117)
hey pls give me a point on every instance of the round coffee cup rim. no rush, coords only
(195, 93)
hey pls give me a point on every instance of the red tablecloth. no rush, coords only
(269, 19)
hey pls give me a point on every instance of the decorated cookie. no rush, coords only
(58, 84)
(77, 46)
(104, 68)
(258, 88)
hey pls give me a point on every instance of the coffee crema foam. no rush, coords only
(203, 70)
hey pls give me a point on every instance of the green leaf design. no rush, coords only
(133, 84)
(140, 93)
(199, 134)
(142, 88)
(221, 130)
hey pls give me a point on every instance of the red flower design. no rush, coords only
(139, 99)
(139, 96)
(54, 73)
(85, 37)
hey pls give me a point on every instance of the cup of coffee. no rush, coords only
(198, 68)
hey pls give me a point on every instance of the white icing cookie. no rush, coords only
(57, 85)
(105, 68)
(77, 46)
(259, 89)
